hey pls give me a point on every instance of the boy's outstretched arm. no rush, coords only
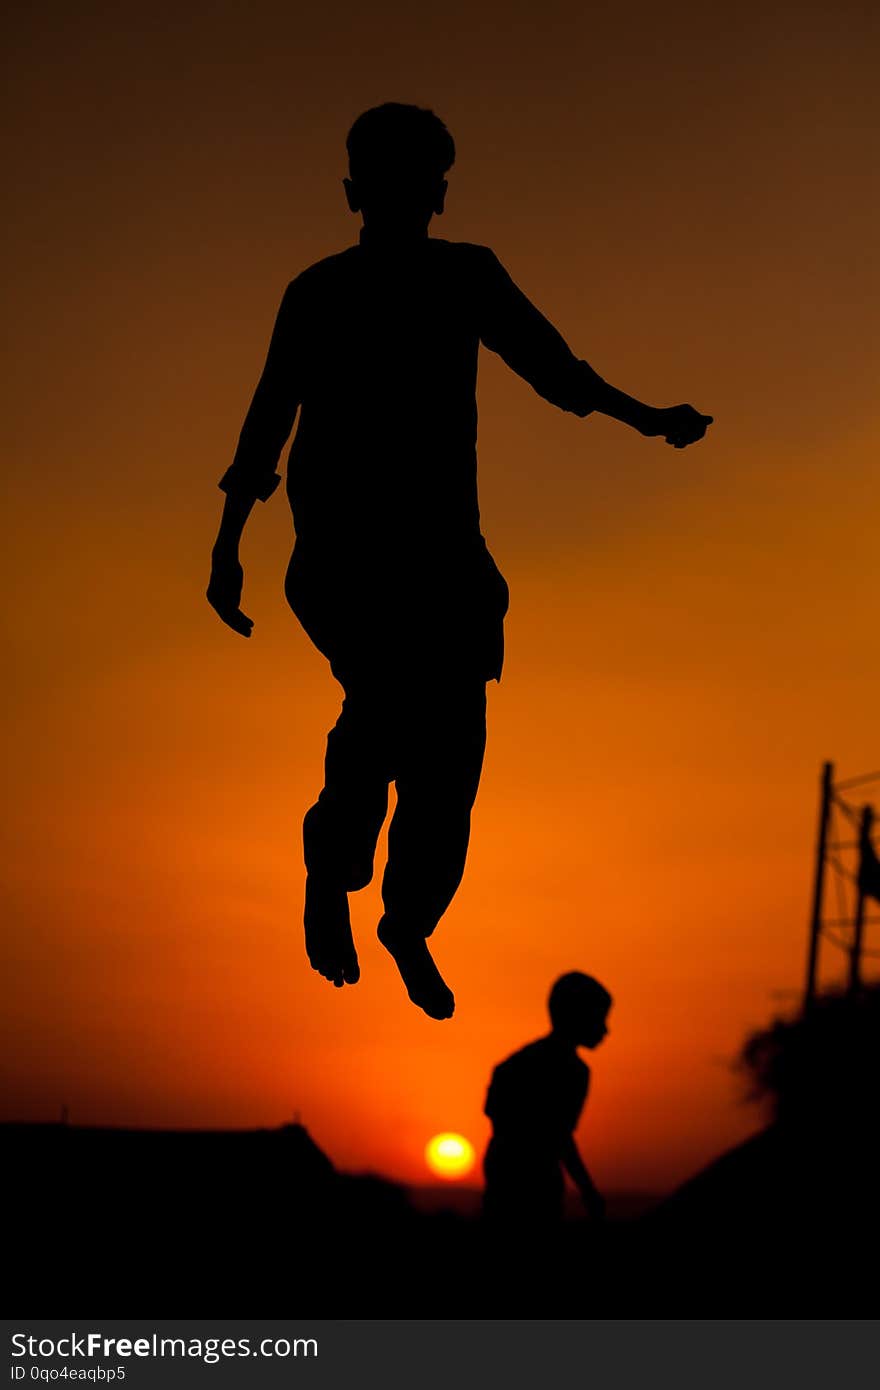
(577, 1170)
(252, 474)
(511, 326)
(679, 425)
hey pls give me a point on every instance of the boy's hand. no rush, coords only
(680, 425)
(594, 1203)
(224, 591)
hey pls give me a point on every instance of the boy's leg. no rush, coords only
(340, 831)
(436, 777)
(438, 760)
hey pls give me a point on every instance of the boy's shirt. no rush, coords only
(377, 348)
(536, 1096)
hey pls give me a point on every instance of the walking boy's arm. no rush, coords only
(511, 326)
(579, 1175)
(252, 474)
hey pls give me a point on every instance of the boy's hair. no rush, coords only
(575, 995)
(399, 139)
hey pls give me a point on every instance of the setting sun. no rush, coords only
(449, 1155)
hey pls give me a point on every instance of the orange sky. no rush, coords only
(690, 195)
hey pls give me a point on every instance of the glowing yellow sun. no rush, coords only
(449, 1155)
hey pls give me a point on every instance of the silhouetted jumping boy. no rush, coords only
(390, 576)
(534, 1101)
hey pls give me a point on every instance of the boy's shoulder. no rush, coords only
(466, 257)
(466, 253)
(326, 270)
(463, 248)
(545, 1054)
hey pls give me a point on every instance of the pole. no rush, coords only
(818, 885)
(855, 959)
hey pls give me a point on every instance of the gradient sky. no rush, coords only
(690, 194)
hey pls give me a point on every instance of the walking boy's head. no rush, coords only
(579, 1007)
(397, 158)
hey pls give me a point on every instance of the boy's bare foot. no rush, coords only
(329, 942)
(424, 983)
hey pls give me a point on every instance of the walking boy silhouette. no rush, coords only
(390, 575)
(534, 1101)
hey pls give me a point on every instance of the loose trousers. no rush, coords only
(428, 737)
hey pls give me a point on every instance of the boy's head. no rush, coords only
(397, 158)
(579, 1007)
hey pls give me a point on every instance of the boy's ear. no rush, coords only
(440, 199)
(351, 195)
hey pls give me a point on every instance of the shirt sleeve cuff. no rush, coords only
(235, 480)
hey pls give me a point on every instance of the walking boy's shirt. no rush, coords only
(536, 1096)
(534, 1101)
(377, 347)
